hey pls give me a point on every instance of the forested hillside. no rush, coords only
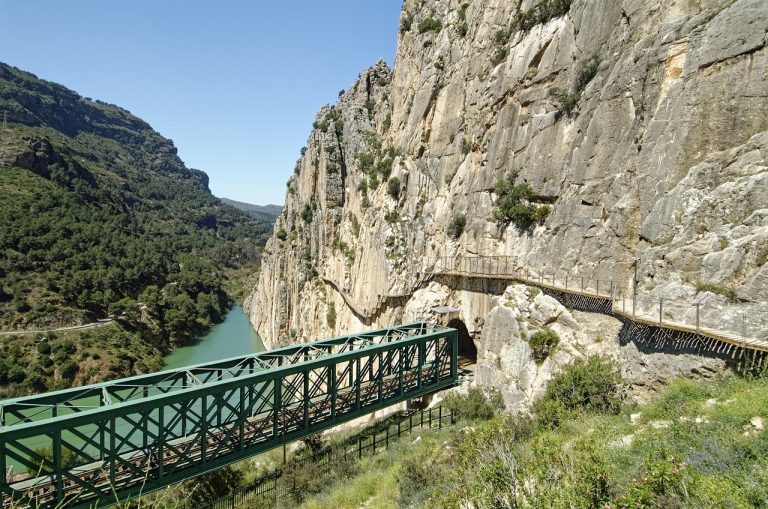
(99, 216)
(263, 212)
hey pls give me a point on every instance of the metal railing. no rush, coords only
(707, 314)
(367, 443)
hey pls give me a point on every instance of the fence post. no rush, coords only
(698, 306)
(440, 418)
(359, 447)
(386, 440)
(430, 418)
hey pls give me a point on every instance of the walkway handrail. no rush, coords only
(740, 325)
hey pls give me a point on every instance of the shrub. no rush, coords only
(68, 370)
(567, 102)
(306, 213)
(330, 316)
(476, 404)
(466, 146)
(542, 343)
(456, 227)
(392, 217)
(406, 22)
(281, 233)
(728, 292)
(393, 187)
(430, 24)
(515, 203)
(499, 56)
(541, 214)
(366, 161)
(587, 72)
(593, 385)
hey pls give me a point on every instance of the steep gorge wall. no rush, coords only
(663, 160)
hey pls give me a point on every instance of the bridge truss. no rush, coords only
(106, 442)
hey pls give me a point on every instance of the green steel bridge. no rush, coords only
(98, 444)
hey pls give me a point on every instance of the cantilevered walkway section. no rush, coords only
(732, 325)
(111, 441)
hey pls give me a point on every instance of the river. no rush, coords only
(231, 338)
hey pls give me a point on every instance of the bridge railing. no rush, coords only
(709, 314)
(137, 445)
(363, 444)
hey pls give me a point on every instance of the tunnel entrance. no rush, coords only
(467, 348)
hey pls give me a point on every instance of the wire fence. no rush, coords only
(711, 312)
(274, 485)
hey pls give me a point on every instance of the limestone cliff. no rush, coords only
(642, 122)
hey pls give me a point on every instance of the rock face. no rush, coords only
(660, 156)
(505, 360)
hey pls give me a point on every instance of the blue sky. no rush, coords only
(235, 84)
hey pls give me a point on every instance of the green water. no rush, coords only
(231, 338)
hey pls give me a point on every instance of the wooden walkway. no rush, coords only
(504, 268)
(610, 292)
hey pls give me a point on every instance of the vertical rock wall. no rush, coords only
(662, 159)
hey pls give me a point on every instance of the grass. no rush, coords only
(692, 446)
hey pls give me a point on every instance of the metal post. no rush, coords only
(698, 307)
(332, 388)
(386, 440)
(440, 417)
(204, 429)
(430, 418)
(357, 384)
(306, 399)
(160, 441)
(243, 417)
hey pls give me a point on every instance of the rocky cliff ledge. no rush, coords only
(641, 123)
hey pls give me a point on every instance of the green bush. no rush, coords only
(456, 226)
(392, 217)
(542, 343)
(499, 56)
(593, 385)
(281, 233)
(728, 292)
(476, 404)
(393, 187)
(567, 102)
(306, 213)
(330, 316)
(515, 204)
(430, 24)
(406, 22)
(541, 13)
(587, 72)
